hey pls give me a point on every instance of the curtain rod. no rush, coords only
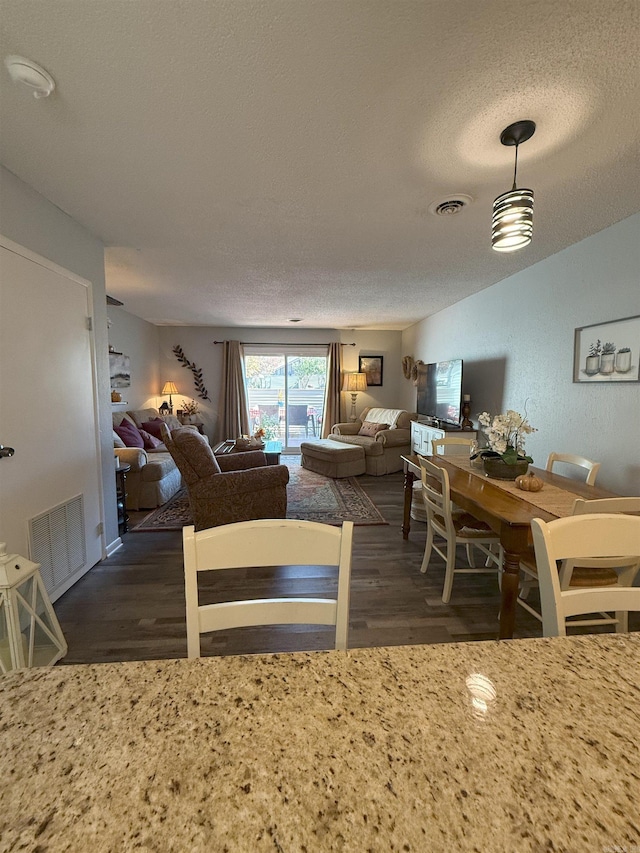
(281, 344)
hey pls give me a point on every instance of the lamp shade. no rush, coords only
(512, 224)
(169, 388)
(354, 382)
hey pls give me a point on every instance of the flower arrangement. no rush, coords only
(190, 407)
(506, 434)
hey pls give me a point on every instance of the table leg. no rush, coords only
(510, 586)
(408, 494)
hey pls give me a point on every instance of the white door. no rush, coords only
(50, 489)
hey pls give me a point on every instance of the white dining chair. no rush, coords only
(456, 528)
(579, 538)
(588, 573)
(590, 468)
(450, 446)
(453, 445)
(267, 542)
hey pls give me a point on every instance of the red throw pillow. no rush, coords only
(372, 429)
(150, 441)
(153, 427)
(130, 434)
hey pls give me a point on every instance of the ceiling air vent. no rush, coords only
(450, 206)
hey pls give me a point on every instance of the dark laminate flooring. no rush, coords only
(131, 606)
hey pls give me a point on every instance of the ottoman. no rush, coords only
(332, 458)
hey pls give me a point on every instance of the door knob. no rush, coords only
(6, 451)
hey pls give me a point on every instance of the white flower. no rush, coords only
(505, 431)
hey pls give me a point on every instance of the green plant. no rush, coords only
(608, 348)
(271, 427)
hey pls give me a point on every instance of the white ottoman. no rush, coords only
(333, 458)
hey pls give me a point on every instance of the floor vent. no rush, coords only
(57, 541)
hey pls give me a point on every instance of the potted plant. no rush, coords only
(190, 411)
(505, 459)
(623, 360)
(607, 358)
(592, 365)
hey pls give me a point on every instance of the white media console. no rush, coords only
(422, 433)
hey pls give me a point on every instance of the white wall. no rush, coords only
(29, 219)
(516, 339)
(139, 340)
(198, 347)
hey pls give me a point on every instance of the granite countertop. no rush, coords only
(387, 749)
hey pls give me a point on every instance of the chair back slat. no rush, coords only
(268, 542)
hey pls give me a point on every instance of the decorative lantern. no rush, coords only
(30, 634)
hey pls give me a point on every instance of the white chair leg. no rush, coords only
(448, 575)
(470, 556)
(428, 547)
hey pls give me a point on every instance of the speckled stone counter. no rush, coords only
(389, 749)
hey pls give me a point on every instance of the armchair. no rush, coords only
(226, 489)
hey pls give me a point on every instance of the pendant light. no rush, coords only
(512, 223)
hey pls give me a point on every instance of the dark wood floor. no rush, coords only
(131, 606)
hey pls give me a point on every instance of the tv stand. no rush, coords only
(424, 430)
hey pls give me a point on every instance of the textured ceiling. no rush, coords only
(249, 162)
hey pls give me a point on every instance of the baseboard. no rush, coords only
(114, 546)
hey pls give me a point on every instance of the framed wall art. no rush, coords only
(608, 352)
(119, 370)
(372, 366)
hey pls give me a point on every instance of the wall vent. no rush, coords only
(57, 541)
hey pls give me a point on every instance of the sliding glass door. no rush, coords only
(285, 391)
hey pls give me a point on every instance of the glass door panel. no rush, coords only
(286, 396)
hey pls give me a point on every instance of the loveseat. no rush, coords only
(384, 435)
(154, 476)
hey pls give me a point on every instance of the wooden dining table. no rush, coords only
(507, 514)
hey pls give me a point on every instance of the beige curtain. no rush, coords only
(331, 414)
(235, 411)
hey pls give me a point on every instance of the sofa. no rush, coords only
(228, 488)
(384, 435)
(154, 476)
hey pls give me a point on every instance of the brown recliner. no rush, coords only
(225, 489)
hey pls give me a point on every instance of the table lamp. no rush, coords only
(169, 388)
(353, 383)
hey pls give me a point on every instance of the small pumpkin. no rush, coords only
(529, 482)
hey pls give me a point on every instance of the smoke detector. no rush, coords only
(31, 75)
(450, 206)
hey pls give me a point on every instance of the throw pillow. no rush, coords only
(153, 427)
(372, 429)
(130, 434)
(117, 441)
(150, 441)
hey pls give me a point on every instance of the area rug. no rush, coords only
(310, 496)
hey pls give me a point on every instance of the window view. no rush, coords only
(285, 394)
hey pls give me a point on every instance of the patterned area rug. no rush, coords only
(310, 497)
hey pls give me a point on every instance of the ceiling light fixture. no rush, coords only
(512, 223)
(30, 74)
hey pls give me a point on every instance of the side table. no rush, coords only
(122, 469)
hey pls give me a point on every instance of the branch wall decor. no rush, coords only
(197, 372)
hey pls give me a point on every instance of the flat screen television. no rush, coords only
(440, 390)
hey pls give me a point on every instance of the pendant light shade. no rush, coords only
(512, 222)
